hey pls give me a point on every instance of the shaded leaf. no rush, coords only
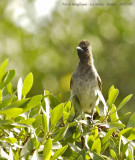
(52, 99)
(27, 149)
(9, 76)
(38, 121)
(95, 156)
(7, 101)
(90, 141)
(61, 134)
(131, 122)
(59, 152)
(0, 95)
(21, 103)
(124, 101)
(32, 103)
(129, 133)
(107, 136)
(74, 148)
(44, 123)
(10, 88)
(56, 114)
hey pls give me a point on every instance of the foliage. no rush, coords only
(43, 128)
(46, 45)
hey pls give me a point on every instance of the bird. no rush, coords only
(85, 83)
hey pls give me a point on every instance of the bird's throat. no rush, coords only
(86, 59)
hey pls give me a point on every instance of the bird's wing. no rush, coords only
(99, 82)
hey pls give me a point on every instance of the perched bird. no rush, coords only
(85, 83)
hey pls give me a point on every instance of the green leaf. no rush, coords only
(80, 157)
(47, 149)
(28, 121)
(113, 145)
(9, 76)
(113, 116)
(96, 147)
(10, 140)
(94, 155)
(130, 156)
(27, 148)
(44, 124)
(14, 112)
(21, 103)
(125, 132)
(129, 133)
(38, 121)
(3, 68)
(56, 114)
(125, 100)
(125, 148)
(67, 106)
(66, 115)
(28, 82)
(10, 88)
(3, 126)
(61, 134)
(33, 103)
(131, 122)
(6, 102)
(6, 121)
(59, 152)
(107, 136)
(90, 141)
(0, 95)
(52, 99)
(113, 154)
(113, 93)
(16, 156)
(116, 125)
(95, 132)
(74, 148)
(122, 117)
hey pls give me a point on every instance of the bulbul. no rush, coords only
(85, 82)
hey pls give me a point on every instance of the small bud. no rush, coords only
(105, 127)
(99, 129)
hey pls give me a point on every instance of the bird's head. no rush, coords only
(83, 49)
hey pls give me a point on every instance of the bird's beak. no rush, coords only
(79, 49)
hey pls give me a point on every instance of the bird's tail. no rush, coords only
(103, 101)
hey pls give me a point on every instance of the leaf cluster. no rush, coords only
(43, 128)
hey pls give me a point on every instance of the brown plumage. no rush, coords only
(85, 81)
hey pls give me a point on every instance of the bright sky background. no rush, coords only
(19, 10)
(44, 7)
